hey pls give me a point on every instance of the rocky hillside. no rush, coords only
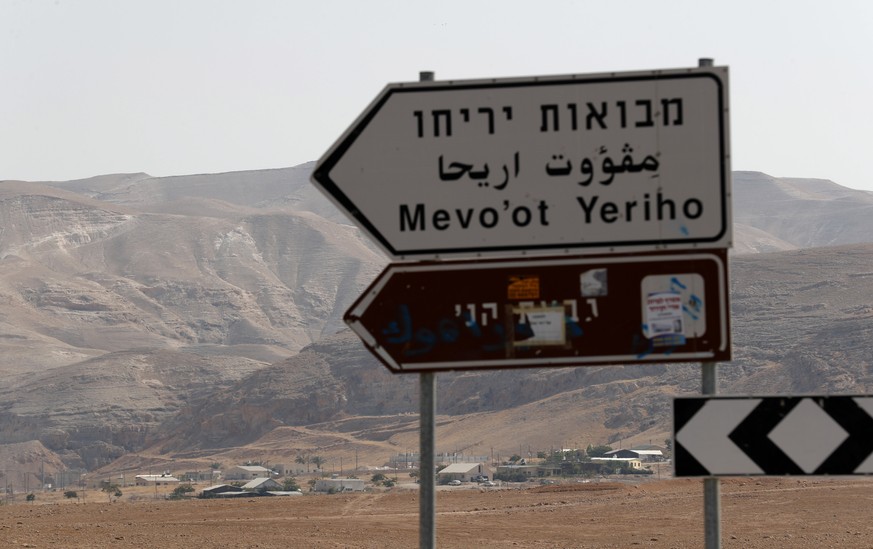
(115, 263)
(144, 313)
(802, 322)
(778, 214)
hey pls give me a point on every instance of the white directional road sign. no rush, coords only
(633, 161)
(793, 435)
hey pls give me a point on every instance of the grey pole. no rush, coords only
(427, 490)
(427, 442)
(711, 486)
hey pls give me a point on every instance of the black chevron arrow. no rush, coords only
(855, 449)
(686, 464)
(751, 436)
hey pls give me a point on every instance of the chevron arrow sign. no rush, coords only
(756, 436)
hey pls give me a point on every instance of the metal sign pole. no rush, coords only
(711, 486)
(427, 443)
(427, 503)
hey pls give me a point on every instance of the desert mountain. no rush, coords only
(801, 324)
(189, 316)
(777, 214)
(90, 267)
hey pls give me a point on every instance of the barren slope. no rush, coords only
(174, 307)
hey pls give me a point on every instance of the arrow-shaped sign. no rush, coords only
(532, 312)
(748, 436)
(637, 161)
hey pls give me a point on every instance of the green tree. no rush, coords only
(180, 491)
(111, 489)
(377, 478)
(597, 451)
(318, 461)
(290, 484)
(70, 494)
(303, 460)
(31, 497)
(577, 455)
(555, 457)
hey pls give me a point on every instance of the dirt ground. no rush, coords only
(818, 513)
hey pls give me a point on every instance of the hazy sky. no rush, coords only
(173, 87)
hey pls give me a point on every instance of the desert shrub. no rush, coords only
(180, 491)
(511, 477)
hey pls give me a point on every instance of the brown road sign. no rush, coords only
(645, 308)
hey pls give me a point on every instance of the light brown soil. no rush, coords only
(788, 512)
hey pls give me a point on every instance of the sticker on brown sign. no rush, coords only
(523, 287)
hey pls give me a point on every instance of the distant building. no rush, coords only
(465, 472)
(197, 476)
(530, 470)
(155, 480)
(339, 485)
(261, 485)
(633, 463)
(248, 472)
(283, 493)
(284, 470)
(221, 490)
(642, 455)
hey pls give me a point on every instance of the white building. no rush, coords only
(248, 472)
(465, 472)
(262, 485)
(155, 480)
(633, 463)
(642, 455)
(339, 485)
